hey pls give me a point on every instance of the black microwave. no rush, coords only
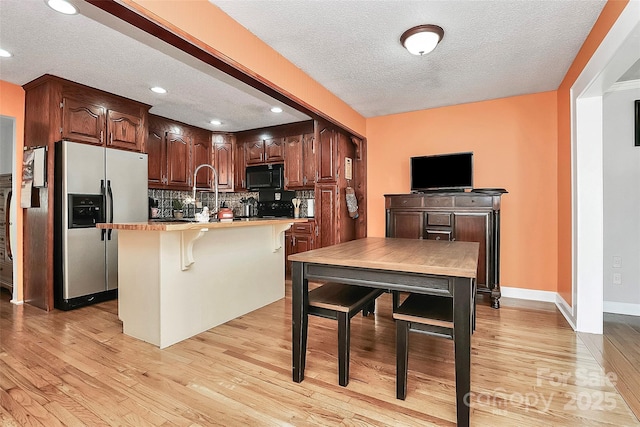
(265, 176)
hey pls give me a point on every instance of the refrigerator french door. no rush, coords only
(93, 184)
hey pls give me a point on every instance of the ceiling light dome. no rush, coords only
(422, 39)
(62, 6)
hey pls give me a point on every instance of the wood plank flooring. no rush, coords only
(618, 352)
(77, 369)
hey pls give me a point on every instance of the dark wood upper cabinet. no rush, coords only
(264, 151)
(240, 166)
(157, 157)
(309, 170)
(124, 131)
(201, 153)
(82, 121)
(274, 150)
(328, 155)
(254, 152)
(178, 160)
(223, 161)
(300, 162)
(86, 122)
(293, 165)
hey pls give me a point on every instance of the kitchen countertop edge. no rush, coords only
(186, 226)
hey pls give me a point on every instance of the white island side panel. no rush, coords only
(236, 271)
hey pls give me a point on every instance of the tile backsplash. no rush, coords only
(232, 200)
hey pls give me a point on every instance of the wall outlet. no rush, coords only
(617, 278)
(617, 261)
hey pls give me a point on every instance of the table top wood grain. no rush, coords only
(443, 258)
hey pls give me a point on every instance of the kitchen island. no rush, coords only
(178, 279)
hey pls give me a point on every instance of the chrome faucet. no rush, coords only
(215, 183)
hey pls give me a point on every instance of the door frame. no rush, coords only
(616, 53)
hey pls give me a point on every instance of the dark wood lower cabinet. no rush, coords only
(301, 237)
(465, 216)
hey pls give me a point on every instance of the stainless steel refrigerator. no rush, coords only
(92, 185)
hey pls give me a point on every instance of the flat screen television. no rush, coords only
(442, 172)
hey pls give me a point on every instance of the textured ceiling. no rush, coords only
(83, 50)
(491, 49)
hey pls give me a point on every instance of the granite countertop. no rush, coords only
(183, 225)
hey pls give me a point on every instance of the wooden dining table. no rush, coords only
(446, 268)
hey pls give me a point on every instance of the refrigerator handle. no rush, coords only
(110, 193)
(102, 192)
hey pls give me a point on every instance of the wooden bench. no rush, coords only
(426, 314)
(341, 302)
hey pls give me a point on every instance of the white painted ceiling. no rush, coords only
(491, 49)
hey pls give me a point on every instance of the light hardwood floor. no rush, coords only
(77, 368)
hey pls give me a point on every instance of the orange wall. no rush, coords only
(514, 145)
(209, 24)
(12, 105)
(607, 18)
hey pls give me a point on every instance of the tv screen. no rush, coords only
(442, 172)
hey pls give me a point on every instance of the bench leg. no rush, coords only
(343, 348)
(402, 358)
(396, 299)
(369, 309)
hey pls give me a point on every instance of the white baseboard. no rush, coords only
(621, 308)
(528, 294)
(566, 310)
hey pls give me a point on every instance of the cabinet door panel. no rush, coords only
(406, 225)
(82, 122)
(474, 228)
(254, 152)
(177, 161)
(240, 168)
(326, 213)
(309, 160)
(157, 158)
(224, 165)
(274, 150)
(327, 155)
(302, 243)
(293, 164)
(202, 156)
(124, 130)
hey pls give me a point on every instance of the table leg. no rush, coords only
(462, 344)
(299, 304)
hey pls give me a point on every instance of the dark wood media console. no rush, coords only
(465, 216)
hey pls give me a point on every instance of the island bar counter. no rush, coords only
(178, 279)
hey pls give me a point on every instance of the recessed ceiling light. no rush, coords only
(5, 53)
(276, 110)
(158, 89)
(215, 122)
(62, 6)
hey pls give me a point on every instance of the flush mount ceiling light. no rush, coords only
(158, 89)
(62, 6)
(276, 110)
(5, 53)
(422, 39)
(216, 122)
